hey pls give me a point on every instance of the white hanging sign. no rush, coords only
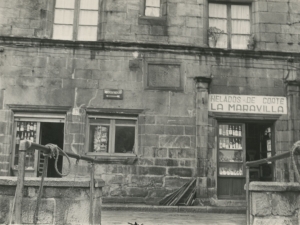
(247, 104)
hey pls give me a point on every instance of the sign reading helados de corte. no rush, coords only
(247, 104)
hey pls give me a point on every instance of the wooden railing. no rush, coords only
(26, 146)
(263, 161)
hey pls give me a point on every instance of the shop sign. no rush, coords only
(113, 94)
(247, 104)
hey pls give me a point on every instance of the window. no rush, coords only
(152, 8)
(42, 129)
(112, 135)
(76, 20)
(234, 20)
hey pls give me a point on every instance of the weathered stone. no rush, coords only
(175, 182)
(261, 204)
(175, 141)
(151, 170)
(136, 192)
(166, 162)
(274, 220)
(182, 172)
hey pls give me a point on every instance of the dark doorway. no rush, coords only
(51, 133)
(259, 145)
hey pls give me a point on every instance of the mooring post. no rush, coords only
(24, 145)
(92, 195)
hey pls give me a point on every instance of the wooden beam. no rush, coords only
(24, 146)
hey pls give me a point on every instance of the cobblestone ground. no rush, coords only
(171, 218)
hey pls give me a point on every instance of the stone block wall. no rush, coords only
(276, 25)
(63, 201)
(274, 203)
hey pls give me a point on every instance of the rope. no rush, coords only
(293, 150)
(54, 153)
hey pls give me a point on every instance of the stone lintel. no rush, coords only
(273, 186)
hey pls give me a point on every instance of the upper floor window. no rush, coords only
(76, 20)
(152, 8)
(234, 21)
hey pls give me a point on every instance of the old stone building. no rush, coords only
(160, 90)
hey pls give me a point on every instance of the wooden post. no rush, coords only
(247, 195)
(92, 195)
(20, 182)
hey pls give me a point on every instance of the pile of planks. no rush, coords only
(185, 195)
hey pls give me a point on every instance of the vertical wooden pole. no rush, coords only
(92, 195)
(247, 195)
(24, 145)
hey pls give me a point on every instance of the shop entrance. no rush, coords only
(51, 133)
(238, 143)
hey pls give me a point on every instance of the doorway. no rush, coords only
(259, 145)
(238, 143)
(51, 133)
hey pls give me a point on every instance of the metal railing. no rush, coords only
(26, 146)
(263, 161)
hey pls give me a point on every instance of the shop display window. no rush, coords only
(112, 135)
(231, 150)
(42, 129)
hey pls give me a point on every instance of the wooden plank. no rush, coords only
(92, 195)
(20, 182)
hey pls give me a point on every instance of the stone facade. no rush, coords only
(176, 133)
(274, 203)
(63, 201)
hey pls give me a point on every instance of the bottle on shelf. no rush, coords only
(240, 130)
(230, 131)
(18, 139)
(227, 143)
(31, 126)
(34, 127)
(230, 143)
(18, 126)
(28, 126)
(22, 127)
(220, 130)
(227, 130)
(224, 130)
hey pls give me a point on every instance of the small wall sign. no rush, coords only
(116, 94)
(247, 104)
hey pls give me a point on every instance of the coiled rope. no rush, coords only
(55, 151)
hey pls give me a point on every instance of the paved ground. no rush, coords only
(116, 217)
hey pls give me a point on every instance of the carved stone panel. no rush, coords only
(164, 76)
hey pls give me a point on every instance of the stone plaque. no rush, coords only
(164, 76)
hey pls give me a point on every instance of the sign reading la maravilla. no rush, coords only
(247, 104)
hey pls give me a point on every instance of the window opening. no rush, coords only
(234, 20)
(51, 133)
(76, 20)
(41, 130)
(152, 8)
(112, 135)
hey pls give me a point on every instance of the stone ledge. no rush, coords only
(182, 209)
(51, 182)
(273, 186)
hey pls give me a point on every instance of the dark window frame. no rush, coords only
(112, 134)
